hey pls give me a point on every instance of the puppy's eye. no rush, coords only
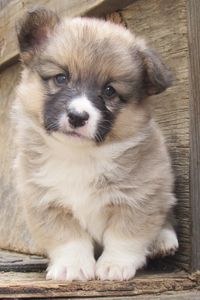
(109, 92)
(60, 79)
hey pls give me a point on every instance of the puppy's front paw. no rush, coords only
(71, 262)
(165, 244)
(117, 268)
(110, 270)
(72, 271)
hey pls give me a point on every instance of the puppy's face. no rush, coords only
(85, 77)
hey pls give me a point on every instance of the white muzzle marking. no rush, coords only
(81, 104)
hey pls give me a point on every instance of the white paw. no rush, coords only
(165, 244)
(121, 268)
(71, 262)
(76, 271)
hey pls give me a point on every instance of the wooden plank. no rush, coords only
(32, 284)
(164, 25)
(29, 285)
(194, 64)
(191, 295)
(3, 3)
(18, 262)
(13, 11)
(106, 7)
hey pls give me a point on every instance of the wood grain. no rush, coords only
(194, 67)
(3, 3)
(13, 11)
(34, 285)
(18, 262)
(164, 25)
(191, 295)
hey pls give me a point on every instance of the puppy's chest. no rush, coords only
(79, 184)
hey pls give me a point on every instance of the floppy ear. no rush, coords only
(157, 76)
(33, 30)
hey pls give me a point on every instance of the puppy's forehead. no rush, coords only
(88, 46)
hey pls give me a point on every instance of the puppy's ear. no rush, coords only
(157, 77)
(34, 30)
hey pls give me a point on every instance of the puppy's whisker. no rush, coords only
(104, 127)
(98, 137)
(52, 126)
(108, 122)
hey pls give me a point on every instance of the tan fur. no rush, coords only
(118, 193)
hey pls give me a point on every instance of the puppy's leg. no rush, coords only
(126, 241)
(166, 242)
(68, 246)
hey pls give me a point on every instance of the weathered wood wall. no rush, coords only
(193, 12)
(164, 24)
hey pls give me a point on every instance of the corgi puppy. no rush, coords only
(92, 167)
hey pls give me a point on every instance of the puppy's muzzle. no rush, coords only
(77, 119)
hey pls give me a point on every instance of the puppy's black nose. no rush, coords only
(77, 119)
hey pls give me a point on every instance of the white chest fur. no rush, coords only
(72, 174)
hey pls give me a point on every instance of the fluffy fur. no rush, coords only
(109, 181)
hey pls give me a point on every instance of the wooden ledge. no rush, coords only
(23, 275)
(27, 285)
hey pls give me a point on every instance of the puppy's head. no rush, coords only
(86, 78)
